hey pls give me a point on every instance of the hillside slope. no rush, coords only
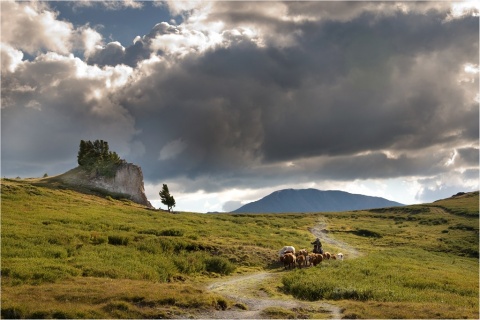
(70, 254)
(313, 200)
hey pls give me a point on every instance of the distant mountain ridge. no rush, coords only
(313, 200)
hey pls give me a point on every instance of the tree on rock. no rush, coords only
(166, 198)
(97, 156)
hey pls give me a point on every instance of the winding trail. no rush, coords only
(246, 290)
(321, 232)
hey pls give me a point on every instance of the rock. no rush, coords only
(127, 182)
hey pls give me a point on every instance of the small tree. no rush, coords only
(166, 198)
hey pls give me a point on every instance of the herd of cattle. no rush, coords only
(302, 258)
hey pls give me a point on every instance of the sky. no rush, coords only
(228, 101)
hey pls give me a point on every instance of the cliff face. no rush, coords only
(127, 181)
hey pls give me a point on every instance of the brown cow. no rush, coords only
(289, 260)
(315, 258)
(301, 260)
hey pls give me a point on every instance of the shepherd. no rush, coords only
(317, 246)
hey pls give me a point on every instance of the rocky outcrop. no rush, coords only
(127, 182)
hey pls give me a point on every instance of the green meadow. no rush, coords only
(66, 254)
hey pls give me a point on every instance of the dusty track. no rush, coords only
(246, 290)
(319, 231)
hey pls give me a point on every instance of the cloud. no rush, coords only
(164, 39)
(51, 103)
(33, 27)
(172, 149)
(468, 157)
(11, 57)
(332, 96)
(447, 184)
(262, 94)
(89, 39)
(111, 54)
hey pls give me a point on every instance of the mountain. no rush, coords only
(313, 200)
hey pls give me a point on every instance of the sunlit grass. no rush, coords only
(414, 262)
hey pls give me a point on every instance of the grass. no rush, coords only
(67, 254)
(393, 276)
(461, 204)
(86, 297)
(415, 263)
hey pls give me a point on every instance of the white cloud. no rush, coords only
(32, 26)
(187, 7)
(446, 185)
(90, 39)
(181, 44)
(462, 8)
(11, 58)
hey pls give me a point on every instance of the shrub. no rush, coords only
(118, 240)
(219, 265)
(166, 233)
(434, 222)
(41, 271)
(278, 313)
(13, 313)
(191, 263)
(171, 233)
(367, 233)
(150, 246)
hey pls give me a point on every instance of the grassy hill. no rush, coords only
(67, 254)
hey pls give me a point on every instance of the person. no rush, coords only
(317, 246)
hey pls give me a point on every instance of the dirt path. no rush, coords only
(247, 291)
(321, 232)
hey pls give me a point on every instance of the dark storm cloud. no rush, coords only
(293, 92)
(469, 156)
(368, 84)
